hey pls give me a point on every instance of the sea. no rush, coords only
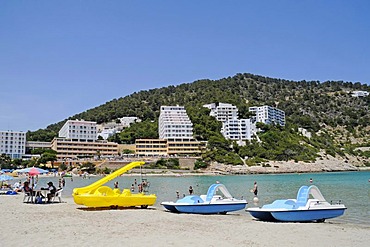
(350, 188)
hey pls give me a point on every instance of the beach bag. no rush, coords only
(38, 200)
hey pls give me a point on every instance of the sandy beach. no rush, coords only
(68, 224)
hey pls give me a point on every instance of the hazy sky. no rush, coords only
(59, 58)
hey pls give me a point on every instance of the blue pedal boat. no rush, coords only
(309, 206)
(211, 203)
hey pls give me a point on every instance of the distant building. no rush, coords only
(305, 132)
(79, 130)
(175, 136)
(127, 121)
(238, 129)
(32, 145)
(151, 147)
(360, 93)
(174, 123)
(232, 128)
(77, 139)
(106, 130)
(222, 111)
(185, 147)
(72, 149)
(169, 147)
(13, 144)
(268, 115)
(106, 133)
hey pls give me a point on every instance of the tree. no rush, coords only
(5, 161)
(63, 167)
(46, 157)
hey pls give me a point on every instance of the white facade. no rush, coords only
(268, 115)
(106, 133)
(127, 121)
(222, 111)
(238, 129)
(360, 93)
(174, 123)
(79, 130)
(13, 144)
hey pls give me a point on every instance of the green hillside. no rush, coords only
(339, 122)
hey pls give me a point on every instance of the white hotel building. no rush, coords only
(79, 130)
(175, 135)
(174, 123)
(77, 138)
(13, 144)
(268, 115)
(222, 111)
(232, 128)
(238, 129)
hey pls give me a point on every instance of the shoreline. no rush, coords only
(67, 224)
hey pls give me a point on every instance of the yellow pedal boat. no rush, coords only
(96, 195)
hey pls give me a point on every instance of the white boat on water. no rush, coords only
(310, 205)
(207, 204)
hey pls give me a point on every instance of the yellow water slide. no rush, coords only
(96, 195)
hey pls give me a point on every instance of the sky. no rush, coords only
(60, 58)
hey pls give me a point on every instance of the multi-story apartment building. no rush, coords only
(238, 129)
(71, 149)
(174, 123)
(13, 143)
(222, 111)
(32, 145)
(232, 127)
(77, 138)
(268, 115)
(175, 135)
(151, 147)
(185, 147)
(79, 130)
(169, 147)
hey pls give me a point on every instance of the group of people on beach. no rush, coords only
(31, 192)
(141, 187)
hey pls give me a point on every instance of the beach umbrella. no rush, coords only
(5, 177)
(33, 171)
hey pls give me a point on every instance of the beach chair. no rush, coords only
(58, 195)
(27, 197)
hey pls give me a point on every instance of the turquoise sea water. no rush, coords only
(352, 188)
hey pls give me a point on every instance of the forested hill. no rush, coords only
(310, 104)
